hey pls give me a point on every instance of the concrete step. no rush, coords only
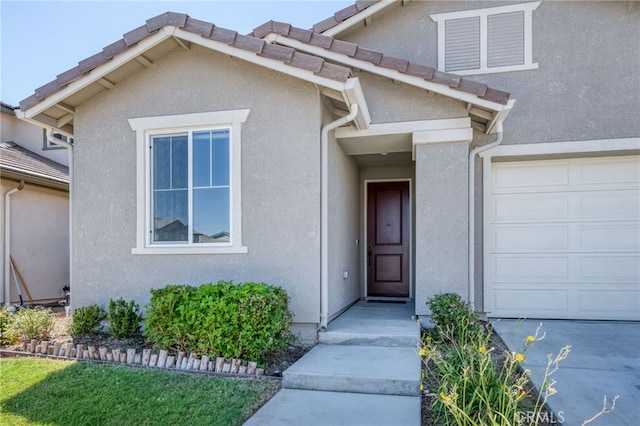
(315, 408)
(359, 369)
(391, 333)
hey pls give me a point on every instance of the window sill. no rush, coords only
(495, 70)
(189, 250)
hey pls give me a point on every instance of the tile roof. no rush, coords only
(208, 30)
(380, 59)
(254, 43)
(342, 15)
(18, 160)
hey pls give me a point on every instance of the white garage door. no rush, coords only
(563, 239)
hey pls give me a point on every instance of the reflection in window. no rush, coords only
(191, 187)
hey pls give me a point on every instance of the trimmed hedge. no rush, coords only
(247, 321)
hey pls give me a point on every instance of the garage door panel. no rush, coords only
(597, 303)
(543, 301)
(608, 205)
(526, 238)
(563, 239)
(609, 269)
(609, 237)
(525, 208)
(526, 269)
(509, 177)
(610, 172)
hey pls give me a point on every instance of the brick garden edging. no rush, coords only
(162, 359)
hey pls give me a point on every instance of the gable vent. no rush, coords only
(462, 44)
(505, 39)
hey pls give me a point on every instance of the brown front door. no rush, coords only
(388, 239)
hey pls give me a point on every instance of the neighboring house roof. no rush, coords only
(19, 163)
(7, 108)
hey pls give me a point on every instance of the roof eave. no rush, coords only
(390, 73)
(31, 113)
(364, 15)
(36, 179)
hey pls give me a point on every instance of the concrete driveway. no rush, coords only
(604, 360)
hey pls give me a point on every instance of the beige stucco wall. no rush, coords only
(390, 102)
(280, 181)
(587, 85)
(344, 218)
(39, 240)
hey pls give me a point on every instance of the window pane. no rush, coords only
(211, 215)
(170, 215)
(179, 161)
(462, 44)
(505, 39)
(220, 157)
(202, 158)
(161, 163)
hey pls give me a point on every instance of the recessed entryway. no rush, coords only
(388, 243)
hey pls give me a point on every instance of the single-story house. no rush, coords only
(34, 213)
(379, 155)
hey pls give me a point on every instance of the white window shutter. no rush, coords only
(462, 44)
(505, 39)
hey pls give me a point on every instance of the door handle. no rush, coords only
(369, 254)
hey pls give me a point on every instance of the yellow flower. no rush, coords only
(423, 351)
(444, 397)
(482, 349)
(421, 387)
(519, 357)
(530, 339)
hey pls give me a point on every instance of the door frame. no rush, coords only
(366, 236)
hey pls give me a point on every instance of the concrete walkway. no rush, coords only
(604, 360)
(364, 371)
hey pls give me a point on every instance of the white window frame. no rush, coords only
(527, 8)
(48, 144)
(145, 128)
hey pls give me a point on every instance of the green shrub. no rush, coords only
(86, 320)
(454, 319)
(124, 318)
(248, 321)
(6, 337)
(35, 323)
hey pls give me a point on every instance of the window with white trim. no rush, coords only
(189, 183)
(482, 41)
(49, 144)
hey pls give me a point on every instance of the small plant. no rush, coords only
(86, 320)
(124, 318)
(6, 337)
(35, 323)
(454, 319)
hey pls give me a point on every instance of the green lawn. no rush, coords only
(42, 391)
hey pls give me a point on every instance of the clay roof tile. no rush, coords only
(274, 51)
(321, 40)
(134, 36)
(251, 44)
(307, 62)
(199, 27)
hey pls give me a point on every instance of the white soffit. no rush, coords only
(400, 136)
